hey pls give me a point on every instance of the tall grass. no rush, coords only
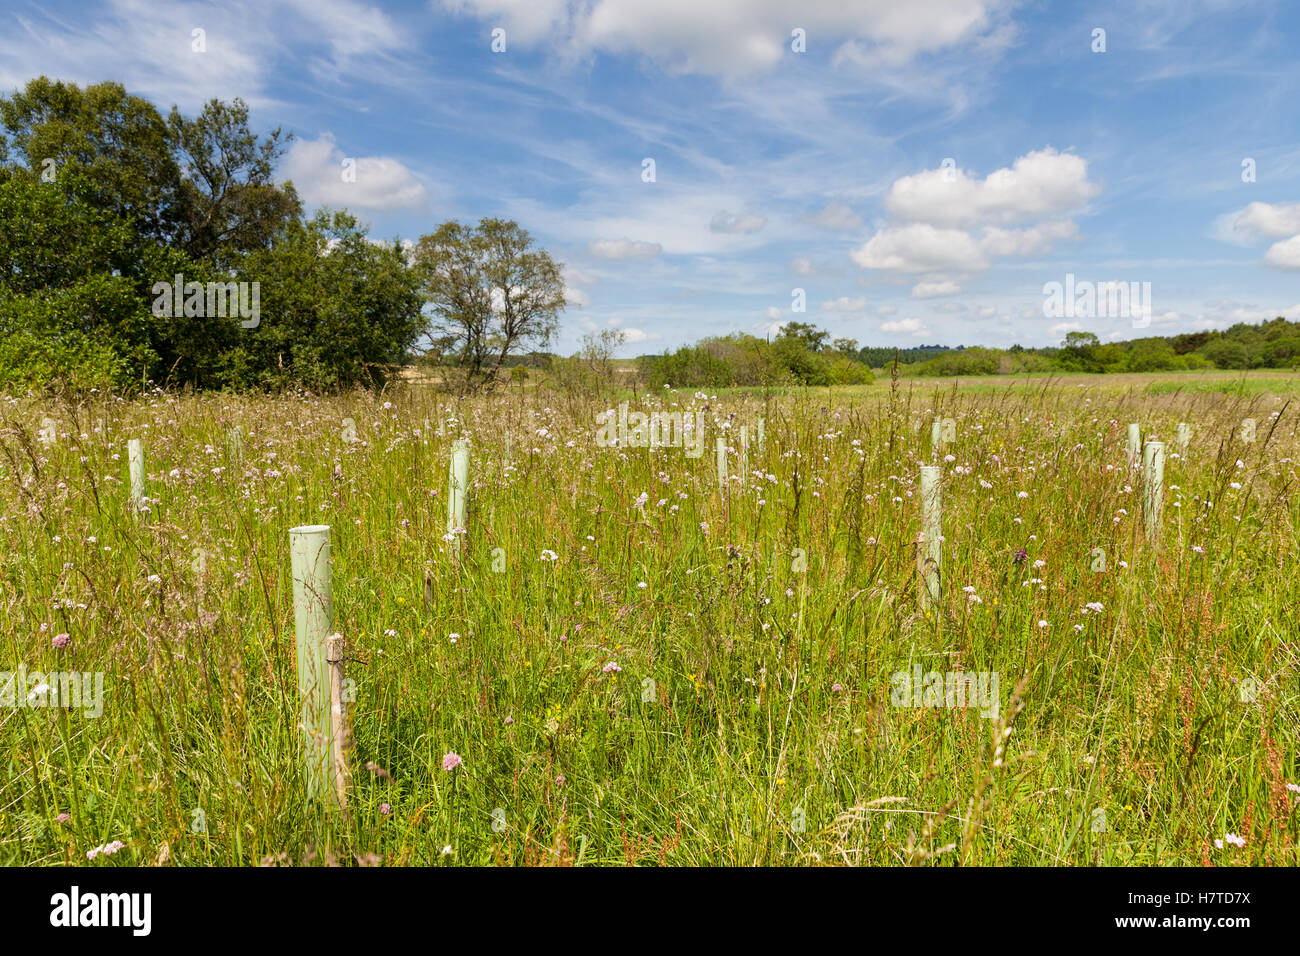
(748, 716)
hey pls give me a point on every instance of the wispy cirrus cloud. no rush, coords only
(845, 304)
(738, 38)
(737, 223)
(188, 52)
(835, 215)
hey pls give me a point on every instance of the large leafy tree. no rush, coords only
(229, 202)
(75, 298)
(805, 334)
(115, 145)
(67, 311)
(101, 198)
(492, 293)
(203, 184)
(1079, 352)
(338, 309)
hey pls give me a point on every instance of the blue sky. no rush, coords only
(775, 170)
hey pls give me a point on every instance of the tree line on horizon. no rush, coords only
(802, 354)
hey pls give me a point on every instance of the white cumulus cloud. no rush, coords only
(1032, 241)
(1262, 222)
(373, 182)
(914, 326)
(945, 220)
(1259, 222)
(1284, 255)
(1040, 184)
(920, 247)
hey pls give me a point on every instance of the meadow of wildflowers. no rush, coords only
(627, 663)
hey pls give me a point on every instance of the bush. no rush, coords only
(1226, 353)
(805, 367)
(337, 309)
(752, 361)
(972, 361)
(842, 370)
(690, 366)
(1153, 355)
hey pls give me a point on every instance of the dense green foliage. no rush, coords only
(1274, 344)
(796, 357)
(102, 201)
(341, 308)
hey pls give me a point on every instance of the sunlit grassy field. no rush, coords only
(638, 667)
(1248, 384)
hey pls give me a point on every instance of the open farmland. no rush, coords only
(636, 665)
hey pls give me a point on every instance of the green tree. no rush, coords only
(491, 291)
(691, 366)
(806, 334)
(1282, 352)
(204, 185)
(1226, 353)
(70, 306)
(337, 309)
(228, 202)
(116, 142)
(805, 365)
(1080, 340)
(1078, 353)
(1152, 355)
(972, 361)
(842, 370)
(101, 199)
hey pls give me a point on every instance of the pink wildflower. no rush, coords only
(108, 849)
